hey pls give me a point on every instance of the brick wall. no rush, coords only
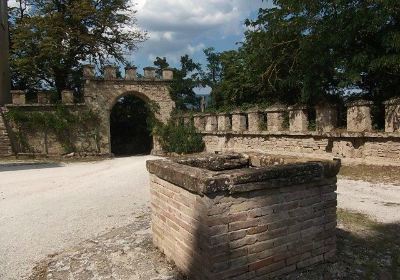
(255, 230)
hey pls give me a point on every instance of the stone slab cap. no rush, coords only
(358, 103)
(276, 108)
(130, 67)
(393, 101)
(238, 112)
(297, 107)
(196, 175)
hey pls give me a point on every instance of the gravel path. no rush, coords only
(46, 209)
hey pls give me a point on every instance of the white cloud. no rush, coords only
(176, 27)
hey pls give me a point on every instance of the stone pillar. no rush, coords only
(199, 122)
(239, 121)
(255, 118)
(392, 115)
(298, 118)
(326, 117)
(110, 72)
(168, 74)
(67, 97)
(359, 116)
(18, 97)
(130, 73)
(224, 122)
(150, 72)
(211, 123)
(89, 71)
(275, 117)
(43, 97)
(187, 120)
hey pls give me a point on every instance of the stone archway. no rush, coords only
(102, 94)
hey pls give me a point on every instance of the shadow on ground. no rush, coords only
(19, 167)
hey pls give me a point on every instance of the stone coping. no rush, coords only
(195, 175)
(297, 108)
(37, 105)
(117, 81)
(393, 101)
(332, 134)
(358, 103)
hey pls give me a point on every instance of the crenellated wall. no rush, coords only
(269, 131)
(100, 95)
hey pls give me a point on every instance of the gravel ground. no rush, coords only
(77, 212)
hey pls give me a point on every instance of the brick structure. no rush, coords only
(326, 117)
(275, 117)
(216, 218)
(392, 115)
(359, 116)
(298, 118)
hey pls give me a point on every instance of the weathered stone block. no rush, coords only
(43, 97)
(255, 120)
(18, 97)
(275, 117)
(359, 116)
(202, 215)
(239, 121)
(326, 117)
(298, 118)
(110, 72)
(211, 123)
(130, 73)
(67, 97)
(392, 115)
(89, 71)
(150, 72)
(199, 122)
(224, 122)
(168, 74)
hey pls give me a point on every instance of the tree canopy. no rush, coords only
(50, 39)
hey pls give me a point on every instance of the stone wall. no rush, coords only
(244, 223)
(265, 131)
(100, 95)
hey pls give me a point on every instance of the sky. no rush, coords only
(178, 27)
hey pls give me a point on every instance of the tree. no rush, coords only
(51, 38)
(186, 79)
(161, 63)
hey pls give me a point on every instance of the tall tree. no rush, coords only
(51, 38)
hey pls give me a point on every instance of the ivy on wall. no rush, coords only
(67, 126)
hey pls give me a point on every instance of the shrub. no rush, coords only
(179, 138)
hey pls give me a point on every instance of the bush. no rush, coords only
(179, 138)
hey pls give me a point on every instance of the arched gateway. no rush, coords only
(102, 94)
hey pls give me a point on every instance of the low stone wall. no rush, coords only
(352, 148)
(243, 223)
(36, 141)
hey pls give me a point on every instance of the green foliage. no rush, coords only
(186, 79)
(49, 39)
(178, 138)
(313, 51)
(61, 122)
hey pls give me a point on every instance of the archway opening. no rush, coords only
(130, 127)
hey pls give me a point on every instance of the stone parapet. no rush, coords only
(67, 97)
(43, 97)
(359, 116)
(239, 121)
(18, 97)
(255, 119)
(298, 118)
(168, 74)
(130, 73)
(326, 117)
(89, 71)
(224, 122)
(275, 117)
(199, 122)
(211, 123)
(218, 218)
(150, 72)
(110, 72)
(392, 115)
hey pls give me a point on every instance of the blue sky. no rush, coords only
(178, 27)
